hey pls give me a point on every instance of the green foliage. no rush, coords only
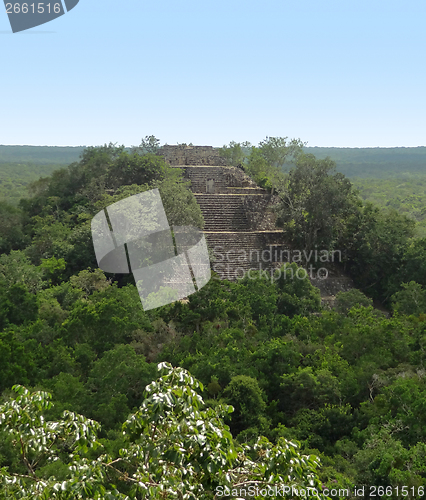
(150, 144)
(404, 194)
(15, 366)
(315, 202)
(322, 427)
(179, 203)
(246, 397)
(277, 150)
(296, 293)
(172, 447)
(57, 215)
(53, 268)
(17, 174)
(262, 172)
(308, 389)
(374, 245)
(105, 319)
(410, 300)
(385, 462)
(100, 170)
(89, 281)
(265, 162)
(16, 268)
(399, 406)
(17, 306)
(117, 382)
(39, 155)
(256, 294)
(235, 153)
(39, 443)
(375, 163)
(413, 264)
(353, 298)
(332, 379)
(11, 231)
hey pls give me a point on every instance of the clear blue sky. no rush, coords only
(332, 73)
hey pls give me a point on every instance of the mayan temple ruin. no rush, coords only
(239, 218)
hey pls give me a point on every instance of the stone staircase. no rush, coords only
(223, 212)
(200, 174)
(239, 226)
(239, 220)
(235, 253)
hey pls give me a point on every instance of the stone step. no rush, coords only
(225, 204)
(222, 196)
(227, 228)
(216, 203)
(223, 213)
(226, 221)
(245, 191)
(225, 217)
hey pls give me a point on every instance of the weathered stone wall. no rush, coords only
(236, 253)
(236, 177)
(227, 180)
(260, 211)
(200, 175)
(334, 283)
(191, 155)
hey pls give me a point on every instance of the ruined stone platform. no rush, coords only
(239, 217)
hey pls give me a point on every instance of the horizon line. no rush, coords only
(195, 145)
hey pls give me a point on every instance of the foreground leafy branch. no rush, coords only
(174, 448)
